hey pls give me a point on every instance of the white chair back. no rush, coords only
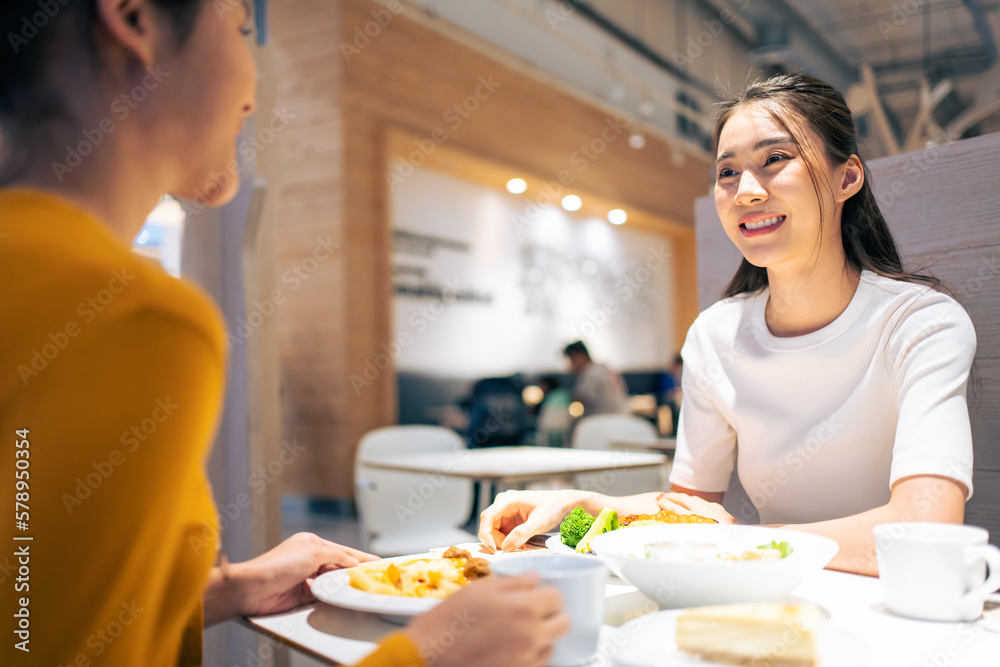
(598, 432)
(405, 513)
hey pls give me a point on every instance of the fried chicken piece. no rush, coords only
(455, 552)
(477, 568)
(663, 516)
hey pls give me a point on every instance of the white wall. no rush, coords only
(539, 278)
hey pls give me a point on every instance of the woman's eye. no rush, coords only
(774, 157)
(247, 28)
(726, 173)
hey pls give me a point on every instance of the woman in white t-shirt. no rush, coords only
(838, 377)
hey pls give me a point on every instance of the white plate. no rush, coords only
(335, 588)
(555, 543)
(649, 641)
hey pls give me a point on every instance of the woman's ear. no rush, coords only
(133, 24)
(852, 180)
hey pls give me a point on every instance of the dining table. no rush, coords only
(868, 634)
(516, 466)
(666, 446)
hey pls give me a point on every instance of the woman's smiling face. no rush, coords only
(764, 193)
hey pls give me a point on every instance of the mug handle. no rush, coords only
(991, 554)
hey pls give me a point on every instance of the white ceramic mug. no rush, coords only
(581, 581)
(936, 571)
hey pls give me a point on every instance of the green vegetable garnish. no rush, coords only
(781, 547)
(575, 526)
(605, 522)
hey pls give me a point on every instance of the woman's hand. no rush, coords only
(683, 503)
(515, 516)
(277, 580)
(495, 623)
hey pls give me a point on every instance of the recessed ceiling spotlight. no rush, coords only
(636, 141)
(516, 186)
(617, 216)
(647, 108)
(572, 203)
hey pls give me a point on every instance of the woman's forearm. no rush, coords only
(924, 498)
(224, 595)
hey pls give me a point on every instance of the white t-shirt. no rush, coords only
(601, 390)
(825, 423)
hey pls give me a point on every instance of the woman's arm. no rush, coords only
(919, 498)
(275, 581)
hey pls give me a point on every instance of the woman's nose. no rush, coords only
(750, 190)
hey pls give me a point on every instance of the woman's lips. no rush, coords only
(761, 227)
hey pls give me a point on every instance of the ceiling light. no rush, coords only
(516, 186)
(572, 203)
(617, 216)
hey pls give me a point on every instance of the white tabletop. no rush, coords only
(662, 445)
(855, 603)
(517, 464)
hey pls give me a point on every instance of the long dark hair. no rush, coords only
(799, 100)
(37, 35)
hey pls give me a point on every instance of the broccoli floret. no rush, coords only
(574, 526)
(605, 522)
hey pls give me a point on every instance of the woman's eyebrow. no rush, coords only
(763, 143)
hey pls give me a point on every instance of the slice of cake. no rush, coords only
(757, 635)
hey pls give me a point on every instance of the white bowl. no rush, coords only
(688, 583)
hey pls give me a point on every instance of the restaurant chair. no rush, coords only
(406, 513)
(598, 432)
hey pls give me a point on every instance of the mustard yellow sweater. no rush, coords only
(111, 382)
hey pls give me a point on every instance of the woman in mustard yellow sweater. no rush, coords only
(111, 372)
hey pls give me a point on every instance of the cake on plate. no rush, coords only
(756, 635)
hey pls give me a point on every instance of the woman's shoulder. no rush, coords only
(68, 270)
(916, 312)
(913, 301)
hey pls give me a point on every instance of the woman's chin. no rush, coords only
(216, 191)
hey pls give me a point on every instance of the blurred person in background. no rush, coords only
(598, 388)
(106, 107)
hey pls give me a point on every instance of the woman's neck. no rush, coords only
(119, 192)
(803, 301)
